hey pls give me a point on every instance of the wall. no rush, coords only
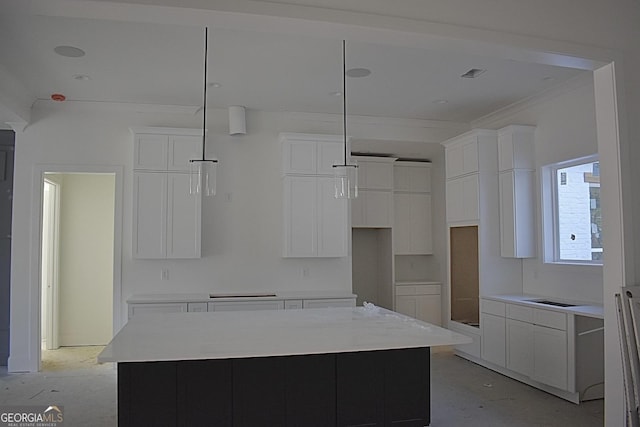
(86, 259)
(565, 130)
(241, 240)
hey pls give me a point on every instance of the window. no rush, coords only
(572, 217)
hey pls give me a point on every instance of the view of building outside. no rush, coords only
(579, 216)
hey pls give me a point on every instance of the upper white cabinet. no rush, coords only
(373, 208)
(462, 199)
(515, 148)
(310, 154)
(166, 217)
(165, 149)
(315, 222)
(462, 157)
(412, 208)
(517, 191)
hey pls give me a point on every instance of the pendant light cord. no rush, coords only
(204, 95)
(344, 98)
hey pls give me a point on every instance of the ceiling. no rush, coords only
(149, 63)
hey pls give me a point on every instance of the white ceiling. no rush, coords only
(130, 62)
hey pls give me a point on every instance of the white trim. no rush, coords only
(155, 130)
(32, 363)
(129, 107)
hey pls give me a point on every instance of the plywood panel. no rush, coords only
(464, 274)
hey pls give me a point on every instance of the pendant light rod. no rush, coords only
(344, 98)
(204, 91)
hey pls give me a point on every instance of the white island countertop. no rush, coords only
(241, 334)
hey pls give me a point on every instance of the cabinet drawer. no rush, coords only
(246, 305)
(417, 289)
(328, 303)
(493, 307)
(519, 312)
(551, 319)
(196, 307)
(292, 304)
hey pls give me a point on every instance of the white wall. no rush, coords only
(86, 259)
(565, 130)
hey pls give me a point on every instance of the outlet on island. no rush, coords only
(164, 274)
(305, 271)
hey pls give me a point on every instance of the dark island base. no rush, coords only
(371, 388)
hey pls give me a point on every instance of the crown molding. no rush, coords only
(130, 107)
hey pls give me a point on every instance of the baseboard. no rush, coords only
(21, 364)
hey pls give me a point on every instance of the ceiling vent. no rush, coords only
(473, 73)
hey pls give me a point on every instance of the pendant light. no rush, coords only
(345, 175)
(202, 179)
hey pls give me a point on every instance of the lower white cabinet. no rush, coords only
(246, 305)
(493, 339)
(520, 347)
(422, 302)
(550, 365)
(169, 307)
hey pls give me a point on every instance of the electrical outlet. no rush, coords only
(305, 271)
(164, 274)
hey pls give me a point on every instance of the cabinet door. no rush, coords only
(401, 223)
(412, 178)
(517, 214)
(169, 307)
(377, 207)
(420, 224)
(300, 216)
(520, 347)
(493, 339)
(183, 218)
(407, 305)
(507, 215)
(550, 365)
(429, 309)
(462, 199)
(329, 154)
(183, 148)
(150, 152)
(299, 156)
(357, 210)
(332, 221)
(149, 214)
(375, 175)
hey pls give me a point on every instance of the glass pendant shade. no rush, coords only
(202, 179)
(345, 181)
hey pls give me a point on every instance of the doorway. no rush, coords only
(77, 261)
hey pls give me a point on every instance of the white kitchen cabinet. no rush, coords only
(550, 365)
(292, 304)
(165, 149)
(197, 307)
(169, 307)
(493, 339)
(372, 209)
(517, 214)
(520, 347)
(412, 224)
(462, 202)
(315, 222)
(462, 157)
(166, 217)
(420, 301)
(246, 305)
(515, 148)
(311, 154)
(328, 303)
(412, 177)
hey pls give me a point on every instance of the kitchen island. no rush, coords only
(324, 367)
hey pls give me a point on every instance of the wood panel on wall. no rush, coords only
(464, 275)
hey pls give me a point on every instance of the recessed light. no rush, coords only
(214, 84)
(440, 101)
(358, 72)
(336, 93)
(473, 73)
(69, 51)
(81, 77)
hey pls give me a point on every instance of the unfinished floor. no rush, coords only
(462, 394)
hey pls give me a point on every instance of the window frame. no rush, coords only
(550, 221)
